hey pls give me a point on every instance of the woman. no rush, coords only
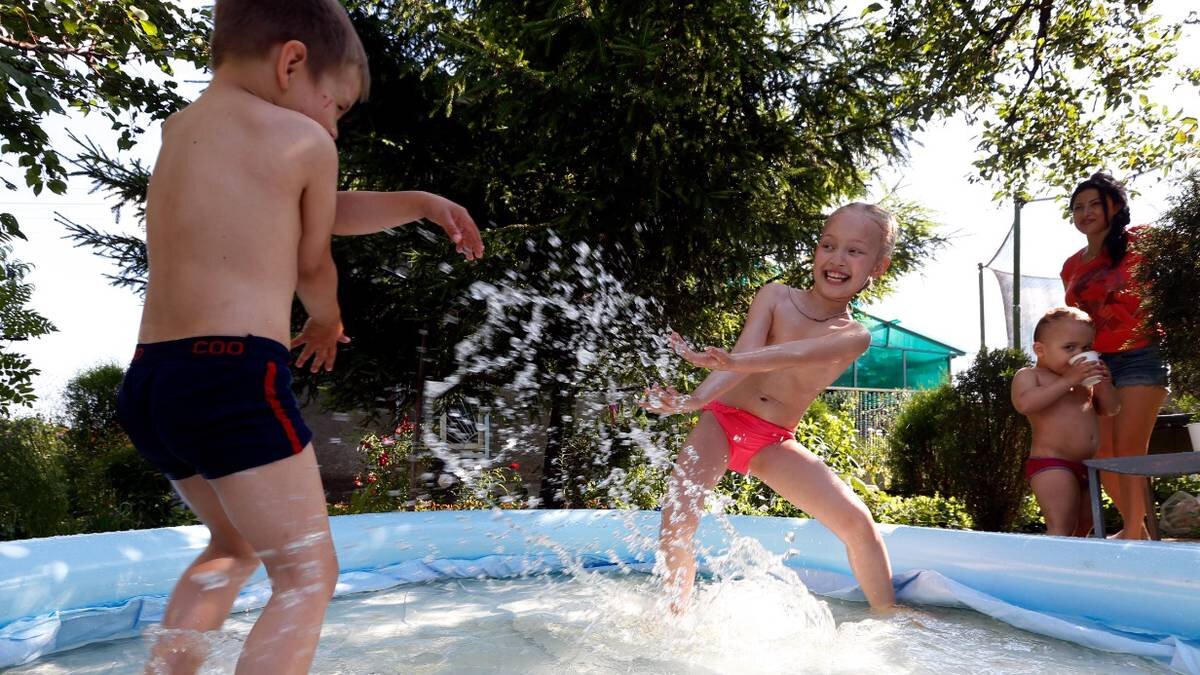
(1099, 280)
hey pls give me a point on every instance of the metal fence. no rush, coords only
(874, 410)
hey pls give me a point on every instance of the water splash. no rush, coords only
(571, 326)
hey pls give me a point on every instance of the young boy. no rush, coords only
(794, 344)
(1063, 411)
(240, 210)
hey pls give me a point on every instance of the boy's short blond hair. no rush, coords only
(881, 217)
(250, 28)
(1058, 314)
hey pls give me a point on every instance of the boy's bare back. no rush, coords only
(237, 184)
(1067, 428)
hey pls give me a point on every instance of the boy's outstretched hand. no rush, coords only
(712, 358)
(457, 224)
(320, 342)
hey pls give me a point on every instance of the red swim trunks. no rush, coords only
(747, 434)
(1036, 465)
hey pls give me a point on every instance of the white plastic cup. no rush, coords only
(1194, 432)
(1087, 356)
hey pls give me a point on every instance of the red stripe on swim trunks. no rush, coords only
(273, 401)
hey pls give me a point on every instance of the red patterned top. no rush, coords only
(1109, 296)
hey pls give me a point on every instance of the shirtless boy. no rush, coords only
(794, 344)
(1063, 414)
(241, 206)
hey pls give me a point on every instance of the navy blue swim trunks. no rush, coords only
(211, 405)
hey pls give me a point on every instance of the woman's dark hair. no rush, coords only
(1116, 242)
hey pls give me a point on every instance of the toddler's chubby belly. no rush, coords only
(1074, 452)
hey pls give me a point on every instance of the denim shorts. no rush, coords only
(1141, 367)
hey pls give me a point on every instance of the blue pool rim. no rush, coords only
(58, 593)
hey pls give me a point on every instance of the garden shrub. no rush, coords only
(33, 493)
(489, 487)
(829, 433)
(916, 438)
(989, 441)
(384, 483)
(109, 485)
(921, 510)
(641, 486)
(1170, 274)
(968, 442)
(388, 483)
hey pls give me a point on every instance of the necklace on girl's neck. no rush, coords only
(792, 295)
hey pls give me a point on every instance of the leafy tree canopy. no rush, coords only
(696, 147)
(17, 323)
(60, 55)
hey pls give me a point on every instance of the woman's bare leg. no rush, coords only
(1131, 437)
(700, 464)
(804, 480)
(1106, 449)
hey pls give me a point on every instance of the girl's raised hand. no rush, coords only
(665, 400)
(712, 358)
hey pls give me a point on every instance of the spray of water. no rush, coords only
(570, 328)
(573, 326)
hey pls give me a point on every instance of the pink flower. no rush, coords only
(383, 459)
(371, 478)
(514, 466)
(388, 440)
(357, 483)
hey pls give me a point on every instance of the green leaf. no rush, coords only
(148, 28)
(9, 222)
(873, 7)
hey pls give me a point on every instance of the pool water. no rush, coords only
(615, 623)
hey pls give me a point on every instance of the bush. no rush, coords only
(1170, 274)
(829, 433)
(989, 440)
(922, 510)
(33, 494)
(384, 484)
(968, 442)
(90, 405)
(641, 486)
(489, 487)
(1184, 403)
(916, 440)
(109, 485)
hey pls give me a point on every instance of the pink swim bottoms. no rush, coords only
(747, 434)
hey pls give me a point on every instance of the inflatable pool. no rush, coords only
(1136, 598)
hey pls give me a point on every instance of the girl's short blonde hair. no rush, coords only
(888, 227)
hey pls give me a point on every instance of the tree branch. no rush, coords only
(1039, 42)
(43, 48)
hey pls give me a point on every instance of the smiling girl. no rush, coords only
(794, 344)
